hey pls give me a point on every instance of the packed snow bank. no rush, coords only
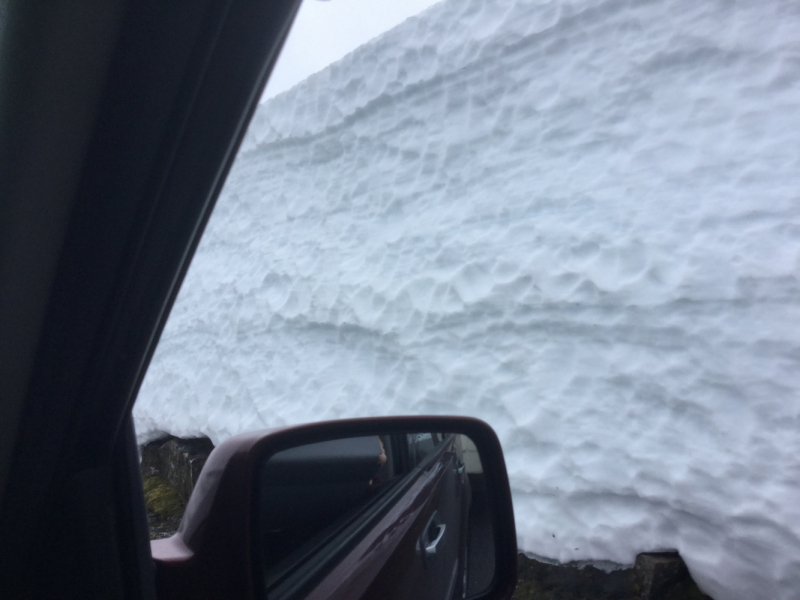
(579, 221)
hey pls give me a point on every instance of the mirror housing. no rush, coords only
(215, 553)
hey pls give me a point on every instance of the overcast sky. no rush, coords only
(325, 31)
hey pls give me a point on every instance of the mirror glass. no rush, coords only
(407, 511)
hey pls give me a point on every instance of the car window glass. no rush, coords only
(422, 444)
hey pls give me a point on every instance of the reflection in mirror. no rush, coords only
(412, 508)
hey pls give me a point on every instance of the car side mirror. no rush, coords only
(393, 507)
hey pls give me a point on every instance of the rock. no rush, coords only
(151, 461)
(162, 527)
(182, 461)
(161, 498)
(164, 507)
(170, 469)
(547, 581)
(177, 460)
(655, 576)
(658, 572)
(664, 576)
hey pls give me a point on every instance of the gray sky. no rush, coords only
(325, 31)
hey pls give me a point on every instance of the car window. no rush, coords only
(422, 445)
(576, 220)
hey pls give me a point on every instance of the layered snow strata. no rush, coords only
(579, 221)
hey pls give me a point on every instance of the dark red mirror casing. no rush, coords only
(213, 553)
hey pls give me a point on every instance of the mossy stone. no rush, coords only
(161, 498)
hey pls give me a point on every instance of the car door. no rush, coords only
(118, 123)
(435, 568)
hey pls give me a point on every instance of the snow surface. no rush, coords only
(577, 220)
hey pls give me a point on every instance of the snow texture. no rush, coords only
(577, 220)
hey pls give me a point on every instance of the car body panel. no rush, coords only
(390, 563)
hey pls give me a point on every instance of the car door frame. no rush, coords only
(106, 193)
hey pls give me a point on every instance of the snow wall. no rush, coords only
(577, 220)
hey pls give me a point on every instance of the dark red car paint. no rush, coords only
(385, 563)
